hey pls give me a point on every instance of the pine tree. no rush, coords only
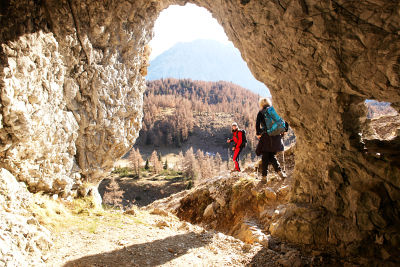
(146, 166)
(187, 97)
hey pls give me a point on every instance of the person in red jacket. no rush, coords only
(237, 138)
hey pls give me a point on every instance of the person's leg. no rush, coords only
(276, 165)
(236, 159)
(264, 164)
(274, 161)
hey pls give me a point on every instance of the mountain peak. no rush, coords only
(207, 60)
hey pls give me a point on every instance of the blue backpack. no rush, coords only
(274, 124)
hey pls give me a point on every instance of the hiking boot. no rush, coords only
(282, 175)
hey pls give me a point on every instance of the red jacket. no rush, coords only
(237, 138)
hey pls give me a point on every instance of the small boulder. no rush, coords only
(269, 194)
(130, 212)
(283, 192)
(209, 211)
(157, 211)
(161, 224)
(94, 193)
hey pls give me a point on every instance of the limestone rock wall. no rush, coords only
(37, 133)
(72, 83)
(321, 60)
(22, 240)
(105, 54)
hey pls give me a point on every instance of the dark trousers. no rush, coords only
(267, 158)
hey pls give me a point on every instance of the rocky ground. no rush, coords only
(156, 238)
(147, 238)
(84, 235)
(203, 226)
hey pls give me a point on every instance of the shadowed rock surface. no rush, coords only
(72, 78)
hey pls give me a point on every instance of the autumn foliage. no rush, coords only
(170, 106)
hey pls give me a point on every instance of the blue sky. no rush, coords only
(184, 24)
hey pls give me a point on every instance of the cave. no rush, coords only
(72, 77)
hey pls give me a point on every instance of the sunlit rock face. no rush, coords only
(72, 80)
(71, 88)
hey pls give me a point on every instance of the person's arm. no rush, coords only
(239, 141)
(259, 120)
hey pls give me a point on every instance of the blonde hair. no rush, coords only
(264, 102)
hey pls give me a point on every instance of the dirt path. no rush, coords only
(146, 239)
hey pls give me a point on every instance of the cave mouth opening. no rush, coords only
(197, 51)
(192, 95)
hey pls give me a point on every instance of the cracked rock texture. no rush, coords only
(72, 79)
(22, 239)
(37, 133)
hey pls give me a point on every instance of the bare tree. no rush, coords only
(113, 195)
(178, 166)
(207, 170)
(155, 162)
(218, 162)
(136, 161)
(191, 167)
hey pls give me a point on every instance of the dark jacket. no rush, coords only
(267, 143)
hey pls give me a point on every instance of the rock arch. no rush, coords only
(72, 81)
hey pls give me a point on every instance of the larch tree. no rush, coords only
(191, 167)
(136, 161)
(155, 162)
(113, 194)
(217, 162)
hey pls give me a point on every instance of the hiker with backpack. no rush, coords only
(239, 138)
(269, 129)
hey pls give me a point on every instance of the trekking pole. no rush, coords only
(229, 157)
(283, 156)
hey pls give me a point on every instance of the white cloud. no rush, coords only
(184, 24)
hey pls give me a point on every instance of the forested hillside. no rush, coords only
(173, 107)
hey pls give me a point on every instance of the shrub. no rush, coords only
(123, 171)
